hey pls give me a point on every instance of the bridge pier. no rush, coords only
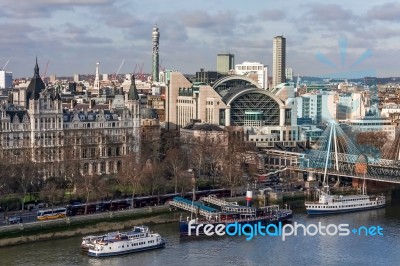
(374, 186)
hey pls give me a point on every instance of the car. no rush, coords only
(14, 220)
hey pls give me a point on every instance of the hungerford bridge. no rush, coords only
(336, 155)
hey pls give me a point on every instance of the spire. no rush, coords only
(36, 71)
(133, 94)
(36, 86)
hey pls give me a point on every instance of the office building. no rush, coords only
(279, 60)
(225, 63)
(6, 80)
(254, 67)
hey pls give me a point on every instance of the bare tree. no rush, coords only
(233, 168)
(24, 172)
(88, 186)
(53, 191)
(132, 174)
(176, 163)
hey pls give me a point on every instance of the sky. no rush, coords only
(323, 38)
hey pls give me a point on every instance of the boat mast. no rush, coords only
(194, 192)
(364, 188)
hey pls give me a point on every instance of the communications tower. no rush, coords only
(156, 38)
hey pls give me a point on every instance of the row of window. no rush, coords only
(341, 206)
(136, 244)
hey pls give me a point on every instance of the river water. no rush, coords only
(261, 250)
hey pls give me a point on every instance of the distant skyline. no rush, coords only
(75, 34)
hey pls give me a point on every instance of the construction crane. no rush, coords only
(45, 70)
(4, 67)
(119, 69)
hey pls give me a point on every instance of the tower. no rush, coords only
(133, 105)
(155, 37)
(225, 63)
(96, 85)
(279, 60)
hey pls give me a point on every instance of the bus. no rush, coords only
(79, 209)
(52, 214)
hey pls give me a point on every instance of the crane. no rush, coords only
(119, 69)
(45, 70)
(4, 67)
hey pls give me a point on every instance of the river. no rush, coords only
(261, 250)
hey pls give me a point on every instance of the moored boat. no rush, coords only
(228, 213)
(140, 239)
(331, 204)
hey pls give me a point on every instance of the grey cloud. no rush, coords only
(17, 33)
(271, 14)
(220, 22)
(73, 29)
(328, 12)
(387, 11)
(326, 19)
(73, 2)
(45, 8)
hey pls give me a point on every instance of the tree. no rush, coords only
(88, 186)
(372, 142)
(132, 174)
(233, 168)
(53, 190)
(24, 172)
(153, 174)
(176, 163)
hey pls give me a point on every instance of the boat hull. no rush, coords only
(184, 225)
(117, 253)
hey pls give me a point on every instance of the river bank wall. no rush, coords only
(85, 225)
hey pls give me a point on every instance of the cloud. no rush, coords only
(326, 19)
(45, 8)
(219, 23)
(386, 12)
(77, 35)
(328, 12)
(73, 2)
(271, 14)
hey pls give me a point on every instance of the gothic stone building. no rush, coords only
(44, 133)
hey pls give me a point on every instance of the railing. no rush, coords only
(218, 202)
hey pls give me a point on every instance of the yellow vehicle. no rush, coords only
(51, 214)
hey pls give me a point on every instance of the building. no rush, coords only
(156, 41)
(6, 79)
(208, 77)
(319, 107)
(350, 106)
(266, 121)
(225, 63)
(278, 60)
(289, 74)
(373, 124)
(76, 78)
(96, 84)
(51, 134)
(254, 67)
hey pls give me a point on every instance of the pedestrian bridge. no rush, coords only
(336, 155)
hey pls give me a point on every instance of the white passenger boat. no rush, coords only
(330, 204)
(139, 239)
